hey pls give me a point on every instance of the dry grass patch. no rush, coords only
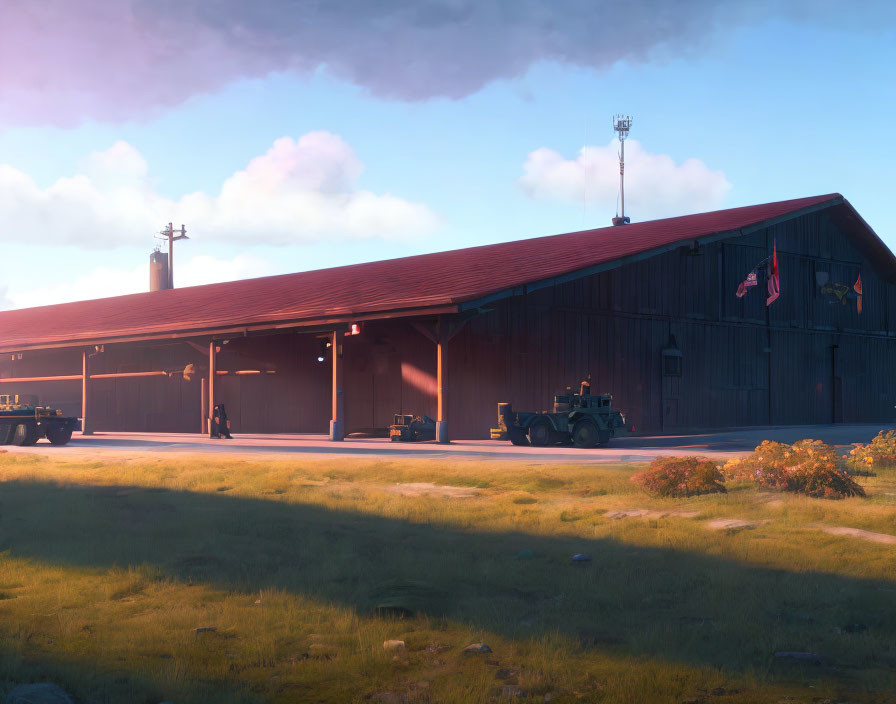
(303, 569)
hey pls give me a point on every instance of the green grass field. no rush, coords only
(304, 568)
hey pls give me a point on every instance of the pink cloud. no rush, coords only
(299, 190)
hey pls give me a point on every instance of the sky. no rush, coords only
(289, 135)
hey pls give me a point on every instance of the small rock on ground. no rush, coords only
(626, 513)
(393, 645)
(428, 488)
(677, 514)
(733, 524)
(477, 648)
(884, 538)
(645, 513)
(38, 693)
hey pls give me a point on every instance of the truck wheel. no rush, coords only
(603, 438)
(540, 433)
(5, 434)
(517, 436)
(24, 434)
(585, 433)
(58, 436)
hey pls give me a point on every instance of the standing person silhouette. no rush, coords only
(220, 424)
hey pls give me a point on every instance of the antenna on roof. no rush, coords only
(172, 235)
(622, 124)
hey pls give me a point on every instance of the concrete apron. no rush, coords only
(719, 445)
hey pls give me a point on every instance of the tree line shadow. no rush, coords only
(663, 603)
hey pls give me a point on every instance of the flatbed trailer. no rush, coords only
(25, 423)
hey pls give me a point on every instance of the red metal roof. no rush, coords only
(419, 283)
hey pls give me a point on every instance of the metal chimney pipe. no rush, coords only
(158, 271)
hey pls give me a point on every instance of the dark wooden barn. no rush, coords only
(648, 310)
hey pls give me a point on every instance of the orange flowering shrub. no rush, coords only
(807, 467)
(681, 476)
(880, 452)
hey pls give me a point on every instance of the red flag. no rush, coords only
(774, 284)
(857, 287)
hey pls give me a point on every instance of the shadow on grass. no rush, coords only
(662, 603)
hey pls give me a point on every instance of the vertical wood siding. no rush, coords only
(743, 363)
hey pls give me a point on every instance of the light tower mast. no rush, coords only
(172, 235)
(622, 124)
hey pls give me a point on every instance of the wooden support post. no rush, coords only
(337, 422)
(85, 393)
(211, 386)
(203, 405)
(442, 384)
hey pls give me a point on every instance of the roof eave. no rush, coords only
(308, 325)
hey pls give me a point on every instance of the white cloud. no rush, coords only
(102, 282)
(300, 191)
(655, 186)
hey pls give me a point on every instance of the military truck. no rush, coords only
(23, 422)
(578, 419)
